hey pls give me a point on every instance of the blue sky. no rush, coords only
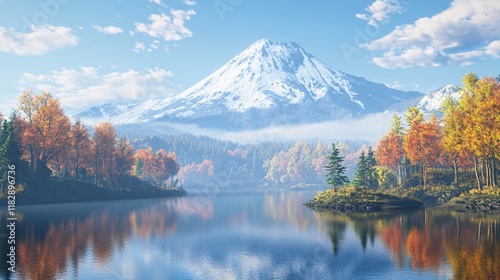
(91, 52)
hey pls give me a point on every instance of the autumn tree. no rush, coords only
(156, 168)
(102, 149)
(166, 167)
(79, 156)
(414, 114)
(453, 141)
(144, 164)
(46, 132)
(335, 170)
(480, 103)
(390, 151)
(299, 164)
(385, 177)
(123, 159)
(422, 144)
(197, 173)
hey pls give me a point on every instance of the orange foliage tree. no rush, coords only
(46, 130)
(422, 144)
(123, 159)
(481, 106)
(390, 151)
(79, 156)
(197, 174)
(102, 149)
(156, 168)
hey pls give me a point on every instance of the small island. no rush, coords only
(352, 199)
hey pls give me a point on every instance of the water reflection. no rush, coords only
(283, 207)
(53, 238)
(429, 239)
(249, 236)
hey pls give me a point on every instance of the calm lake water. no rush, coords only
(248, 235)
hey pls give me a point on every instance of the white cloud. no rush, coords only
(189, 2)
(40, 40)
(169, 28)
(84, 87)
(154, 45)
(466, 31)
(493, 49)
(158, 2)
(380, 10)
(108, 29)
(139, 47)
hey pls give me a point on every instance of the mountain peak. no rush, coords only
(433, 101)
(279, 50)
(270, 82)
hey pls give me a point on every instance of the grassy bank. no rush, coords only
(52, 190)
(351, 199)
(486, 200)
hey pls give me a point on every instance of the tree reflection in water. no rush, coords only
(47, 248)
(428, 239)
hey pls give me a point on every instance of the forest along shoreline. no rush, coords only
(45, 158)
(451, 161)
(55, 190)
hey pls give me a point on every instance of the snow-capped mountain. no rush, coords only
(269, 83)
(433, 101)
(104, 112)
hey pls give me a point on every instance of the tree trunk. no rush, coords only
(477, 174)
(494, 170)
(424, 175)
(487, 177)
(455, 169)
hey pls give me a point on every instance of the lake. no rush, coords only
(248, 235)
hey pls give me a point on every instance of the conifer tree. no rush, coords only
(138, 168)
(335, 170)
(361, 175)
(366, 173)
(371, 170)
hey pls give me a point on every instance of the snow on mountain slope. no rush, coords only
(266, 81)
(104, 112)
(433, 101)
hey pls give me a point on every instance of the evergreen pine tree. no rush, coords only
(361, 175)
(371, 170)
(10, 153)
(138, 168)
(335, 170)
(366, 173)
(9, 143)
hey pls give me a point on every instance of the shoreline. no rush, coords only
(356, 200)
(38, 191)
